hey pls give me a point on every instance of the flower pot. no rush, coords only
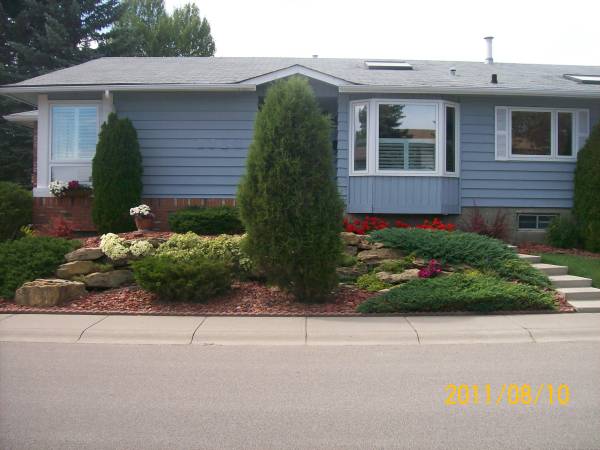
(144, 223)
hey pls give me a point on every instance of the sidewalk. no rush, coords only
(411, 330)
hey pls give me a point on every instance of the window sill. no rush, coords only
(406, 174)
(539, 159)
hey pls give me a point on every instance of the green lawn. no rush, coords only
(578, 265)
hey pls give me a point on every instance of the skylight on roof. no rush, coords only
(584, 79)
(388, 65)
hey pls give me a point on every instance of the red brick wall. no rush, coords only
(77, 212)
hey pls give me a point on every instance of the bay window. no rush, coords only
(540, 133)
(403, 137)
(73, 138)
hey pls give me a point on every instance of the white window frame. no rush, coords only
(74, 162)
(554, 156)
(353, 105)
(373, 138)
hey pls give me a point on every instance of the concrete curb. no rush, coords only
(200, 330)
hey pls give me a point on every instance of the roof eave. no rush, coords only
(374, 89)
(46, 89)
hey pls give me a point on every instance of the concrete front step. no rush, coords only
(583, 306)
(568, 281)
(551, 269)
(580, 293)
(530, 258)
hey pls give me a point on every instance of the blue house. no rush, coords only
(411, 138)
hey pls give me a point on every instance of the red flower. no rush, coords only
(73, 184)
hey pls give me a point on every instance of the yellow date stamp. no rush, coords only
(512, 394)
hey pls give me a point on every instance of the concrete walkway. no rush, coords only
(410, 330)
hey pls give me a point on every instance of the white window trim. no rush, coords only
(74, 162)
(373, 138)
(554, 156)
(44, 163)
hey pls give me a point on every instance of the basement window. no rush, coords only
(388, 65)
(528, 222)
(584, 79)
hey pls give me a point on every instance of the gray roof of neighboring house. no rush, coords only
(229, 70)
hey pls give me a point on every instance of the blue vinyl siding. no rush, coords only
(403, 195)
(192, 144)
(487, 182)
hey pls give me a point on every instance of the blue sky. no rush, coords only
(526, 31)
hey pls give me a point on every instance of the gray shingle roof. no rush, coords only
(227, 70)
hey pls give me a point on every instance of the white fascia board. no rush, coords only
(371, 89)
(297, 70)
(27, 117)
(7, 90)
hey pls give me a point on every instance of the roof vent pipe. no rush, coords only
(494, 78)
(489, 59)
(453, 71)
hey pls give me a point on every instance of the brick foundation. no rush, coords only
(77, 212)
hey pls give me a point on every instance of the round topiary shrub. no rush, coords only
(116, 176)
(587, 186)
(288, 198)
(194, 279)
(211, 221)
(16, 206)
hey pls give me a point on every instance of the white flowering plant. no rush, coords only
(62, 188)
(117, 248)
(58, 188)
(141, 211)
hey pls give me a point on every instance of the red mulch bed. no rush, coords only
(245, 299)
(95, 240)
(531, 248)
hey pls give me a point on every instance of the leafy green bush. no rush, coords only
(116, 175)
(194, 279)
(563, 233)
(396, 265)
(370, 282)
(458, 247)
(217, 220)
(29, 258)
(459, 292)
(347, 260)
(16, 206)
(225, 248)
(586, 205)
(289, 202)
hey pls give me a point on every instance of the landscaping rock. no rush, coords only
(351, 273)
(73, 268)
(351, 250)
(377, 255)
(349, 238)
(84, 254)
(395, 278)
(106, 280)
(51, 292)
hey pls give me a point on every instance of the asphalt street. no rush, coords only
(110, 396)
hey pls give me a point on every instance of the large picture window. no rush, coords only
(403, 137)
(407, 137)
